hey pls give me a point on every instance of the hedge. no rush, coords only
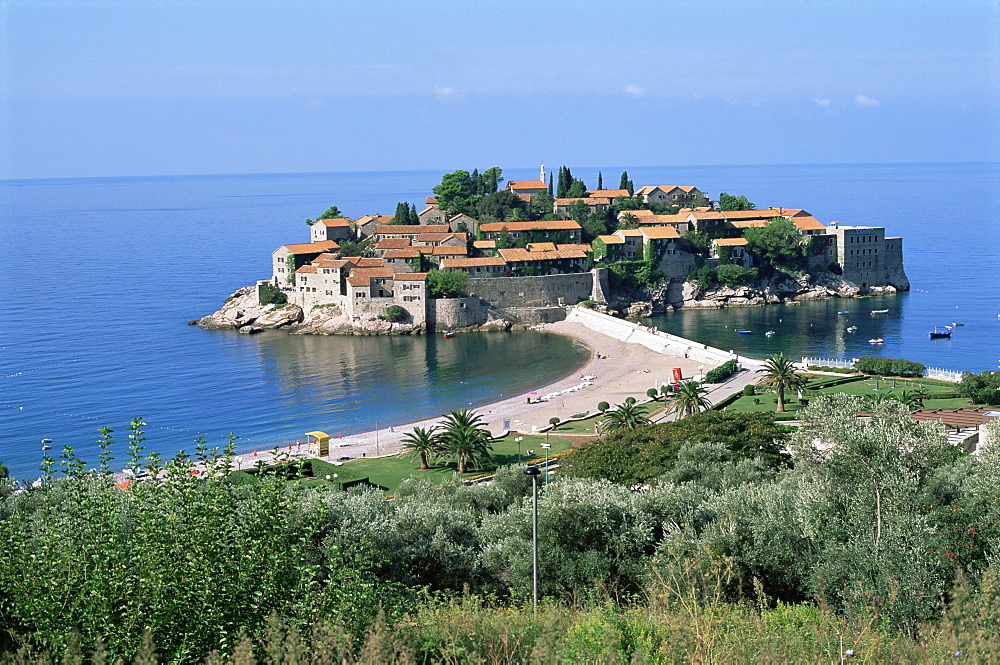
(889, 367)
(721, 372)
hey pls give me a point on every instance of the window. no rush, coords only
(329, 293)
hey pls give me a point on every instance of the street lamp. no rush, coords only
(546, 446)
(518, 439)
(533, 472)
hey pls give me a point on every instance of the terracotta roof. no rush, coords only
(381, 271)
(460, 216)
(628, 232)
(359, 280)
(956, 417)
(389, 229)
(410, 277)
(431, 200)
(638, 213)
(664, 220)
(730, 242)
(555, 225)
(368, 262)
(590, 201)
(706, 214)
(541, 247)
(808, 223)
(612, 240)
(312, 247)
(473, 263)
(306, 269)
(441, 237)
(659, 232)
(330, 261)
(608, 193)
(750, 223)
(392, 243)
(524, 197)
(484, 244)
(518, 254)
(646, 190)
(408, 253)
(335, 222)
(449, 251)
(586, 249)
(527, 184)
(749, 214)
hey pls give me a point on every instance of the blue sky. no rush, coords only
(105, 88)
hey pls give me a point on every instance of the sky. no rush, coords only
(118, 88)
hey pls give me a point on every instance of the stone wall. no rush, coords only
(542, 291)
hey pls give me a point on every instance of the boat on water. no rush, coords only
(876, 340)
(843, 313)
(956, 323)
(941, 333)
(743, 332)
(880, 311)
(852, 328)
(770, 333)
(448, 335)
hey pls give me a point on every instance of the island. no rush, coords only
(479, 256)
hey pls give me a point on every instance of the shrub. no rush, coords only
(889, 367)
(748, 390)
(603, 406)
(721, 372)
(269, 294)
(981, 388)
(395, 314)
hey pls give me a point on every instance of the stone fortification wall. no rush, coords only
(656, 340)
(446, 313)
(541, 291)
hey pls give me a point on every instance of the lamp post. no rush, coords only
(533, 472)
(518, 439)
(546, 446)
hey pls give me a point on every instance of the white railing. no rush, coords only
(828, 362)
(943, 374)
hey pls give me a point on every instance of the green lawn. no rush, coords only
(945, 395)
(389, 472)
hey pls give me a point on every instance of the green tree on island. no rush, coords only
(778, 244)
(730, 202)
(779, 373)
(446, 283)
(688, 398)
(625, 417)
(332, 212)
(465, 439)
(423, 443)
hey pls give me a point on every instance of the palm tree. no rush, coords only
(422, 442)
(779, 373)
(624, 417)
(688, 398)
(465, 439)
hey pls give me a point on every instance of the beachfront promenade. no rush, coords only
(632, 359)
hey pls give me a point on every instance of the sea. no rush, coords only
(103, 274)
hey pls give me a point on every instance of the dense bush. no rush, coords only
(889, 367)
(732, 275)
(749, 390)
(269, 294)
(983, 388)
(395, 314)
(723, 371)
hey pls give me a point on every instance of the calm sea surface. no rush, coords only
(102, 274)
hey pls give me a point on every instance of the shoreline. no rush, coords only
(624, 370)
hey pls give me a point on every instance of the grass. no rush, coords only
(868, 386)
(390, 472)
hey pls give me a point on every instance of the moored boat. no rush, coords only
(852, 328)
(743, 332)
(843, 313)
(880, 311)
(956, 323)
(448, 335)
(770, 333)
(876, 340)
(941, 333)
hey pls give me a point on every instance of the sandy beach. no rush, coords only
(623, 370)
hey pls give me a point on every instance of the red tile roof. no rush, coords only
(335, 222)
(609, 193)
(473, 263)
(527, 184)
(518, 254)
(554, 225)
(410, 277)
(449, 251)
(408, 253)
(392, 243)
(659, 232)
(730, 242)
(411, 229)
(312, 247)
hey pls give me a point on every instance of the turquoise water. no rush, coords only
(102, 274)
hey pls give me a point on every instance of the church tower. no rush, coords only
(541, 173)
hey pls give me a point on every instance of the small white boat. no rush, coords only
(876, 340)
(852, 328)
(843, 313)
(880, 311)
(770, 333)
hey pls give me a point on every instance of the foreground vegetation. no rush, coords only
(748, 543)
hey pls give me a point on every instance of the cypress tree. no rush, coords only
(414, 217)
(623, 183)
(600, 180)
(550, 185)
(477, 182)
(402, 215)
